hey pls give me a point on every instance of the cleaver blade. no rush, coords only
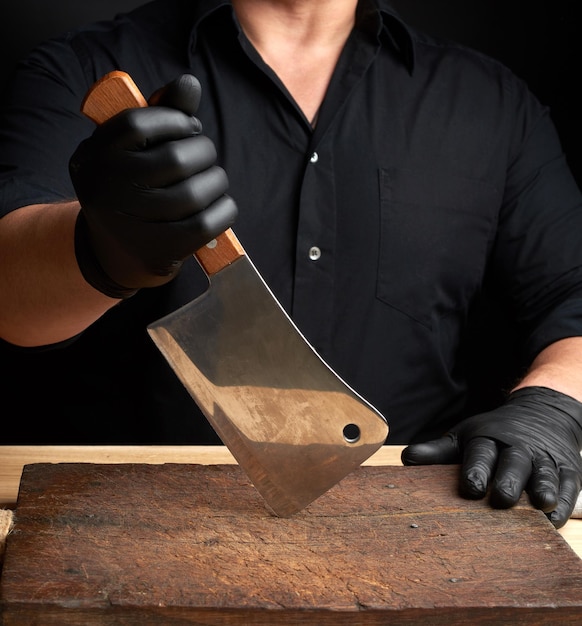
(293, 425)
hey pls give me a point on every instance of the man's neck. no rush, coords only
(298, 21)
(301, 40)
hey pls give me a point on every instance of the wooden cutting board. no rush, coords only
(175, 544)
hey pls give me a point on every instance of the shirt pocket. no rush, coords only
(435, 232)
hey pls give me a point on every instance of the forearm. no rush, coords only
(558, 367)
(44, 296)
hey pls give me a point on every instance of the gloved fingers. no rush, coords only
(182, 93)
(443, 451)
(164, 164)
(139, 129)
(213, 221)
(479, 462)
(186, 236)
(514, 468)
(204, 188)
(544, 484)
(193, 233)
(179, 201)
(570, 485)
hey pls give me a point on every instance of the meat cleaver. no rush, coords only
(293, 425)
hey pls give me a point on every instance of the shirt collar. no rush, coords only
(382, 19)
(203, 9)
(377, 16)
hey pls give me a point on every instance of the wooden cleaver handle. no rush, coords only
(116, 92)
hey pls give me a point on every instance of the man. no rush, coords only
(384, 181)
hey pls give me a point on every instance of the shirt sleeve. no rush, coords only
(41, 126)
(538, 250)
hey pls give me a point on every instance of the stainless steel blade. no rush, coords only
(293, 425)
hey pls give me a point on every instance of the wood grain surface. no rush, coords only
(194, 544)
(13, 459)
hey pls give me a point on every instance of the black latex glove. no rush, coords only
(150, 193)
(531, 442)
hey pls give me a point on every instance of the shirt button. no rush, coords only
(314, 157)
(314, 253)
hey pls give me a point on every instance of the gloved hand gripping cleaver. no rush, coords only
(289, 420)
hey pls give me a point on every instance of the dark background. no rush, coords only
(535, 38)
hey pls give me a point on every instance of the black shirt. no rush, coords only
(432, 177)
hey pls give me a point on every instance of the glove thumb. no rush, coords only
(441, 451)
(183, 93)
